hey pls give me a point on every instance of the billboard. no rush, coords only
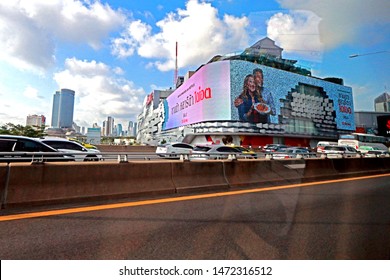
(262, 96)
(205, 96)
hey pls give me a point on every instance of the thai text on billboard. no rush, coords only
(205, 96)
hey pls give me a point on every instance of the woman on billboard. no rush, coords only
(255, 104)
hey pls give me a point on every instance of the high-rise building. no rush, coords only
(63, 106)
(119, 130)
(36, 120)
(382, 103)
(132, 129)
(108, 127)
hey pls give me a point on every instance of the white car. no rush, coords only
(293, 152)
(79, 152)
(174, 150)
(340, 152)
(321, 145)
(214, 152)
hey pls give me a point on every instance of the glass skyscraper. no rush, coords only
(63, 106)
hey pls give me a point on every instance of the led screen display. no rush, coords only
(205, 96)
(275, 99)
(384, 125)
(299, 104)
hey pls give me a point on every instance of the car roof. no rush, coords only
(21, 137)
(16, 136)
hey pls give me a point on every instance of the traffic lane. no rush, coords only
(348, 220)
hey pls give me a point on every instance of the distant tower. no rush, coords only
(63, 106)
(108, 127)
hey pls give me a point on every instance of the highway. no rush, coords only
(340, 219)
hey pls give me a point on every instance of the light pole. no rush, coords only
(356, 55)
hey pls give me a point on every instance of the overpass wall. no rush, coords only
(26, 184)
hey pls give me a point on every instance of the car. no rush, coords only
(371, 150)
(270, 148)
(340, 152)
(86, 145)
(174, 150)
(245, 151)
(374, 153)
(322, 144)
(15, 148)
(205, 152)
(293, 152)
(79, 152)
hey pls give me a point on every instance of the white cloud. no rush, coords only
(30, 28)
(99, 92)
(31, 92)
(347, 21)
(297, 32)
(14, 111)
(198, 29)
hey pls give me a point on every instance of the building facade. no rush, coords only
(63, 107)
(382, 103)
(36, 121)
(228, 96)
(369, 122)
(94, 135)
(108, 127)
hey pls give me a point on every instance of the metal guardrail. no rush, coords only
(39, 157)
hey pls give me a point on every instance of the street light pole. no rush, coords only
(356, 55)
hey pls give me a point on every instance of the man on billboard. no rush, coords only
(255, 104)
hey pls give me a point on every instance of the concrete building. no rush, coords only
(63, 107)
(367, 122)
(108, 127)
(94, 135)
(289, 107)
(36, 121)
(382, 103)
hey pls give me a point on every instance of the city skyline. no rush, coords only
(129, 48)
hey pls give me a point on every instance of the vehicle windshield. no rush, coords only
(201, 148)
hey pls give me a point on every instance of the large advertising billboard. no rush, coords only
(203, 97)
(262, 96)
(296, 103)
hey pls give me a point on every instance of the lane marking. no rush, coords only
(175, 199)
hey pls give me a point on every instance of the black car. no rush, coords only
(24, 149)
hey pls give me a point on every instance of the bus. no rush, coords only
(356, 140)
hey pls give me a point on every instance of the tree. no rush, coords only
(18, 129)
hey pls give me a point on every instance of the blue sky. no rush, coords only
(114, 53)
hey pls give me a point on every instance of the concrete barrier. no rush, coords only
(57, 182)
(39, 184)
(290, 170)
(319, 169)
(354, 166)
(189, 176)
(247, 173)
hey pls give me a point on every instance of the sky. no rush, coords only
(113, 53)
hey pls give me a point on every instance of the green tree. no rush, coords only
(18, 129)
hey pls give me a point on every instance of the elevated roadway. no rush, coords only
(346, 218)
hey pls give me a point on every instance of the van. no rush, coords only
(322, 144)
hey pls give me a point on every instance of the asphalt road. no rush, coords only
(339, 220)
